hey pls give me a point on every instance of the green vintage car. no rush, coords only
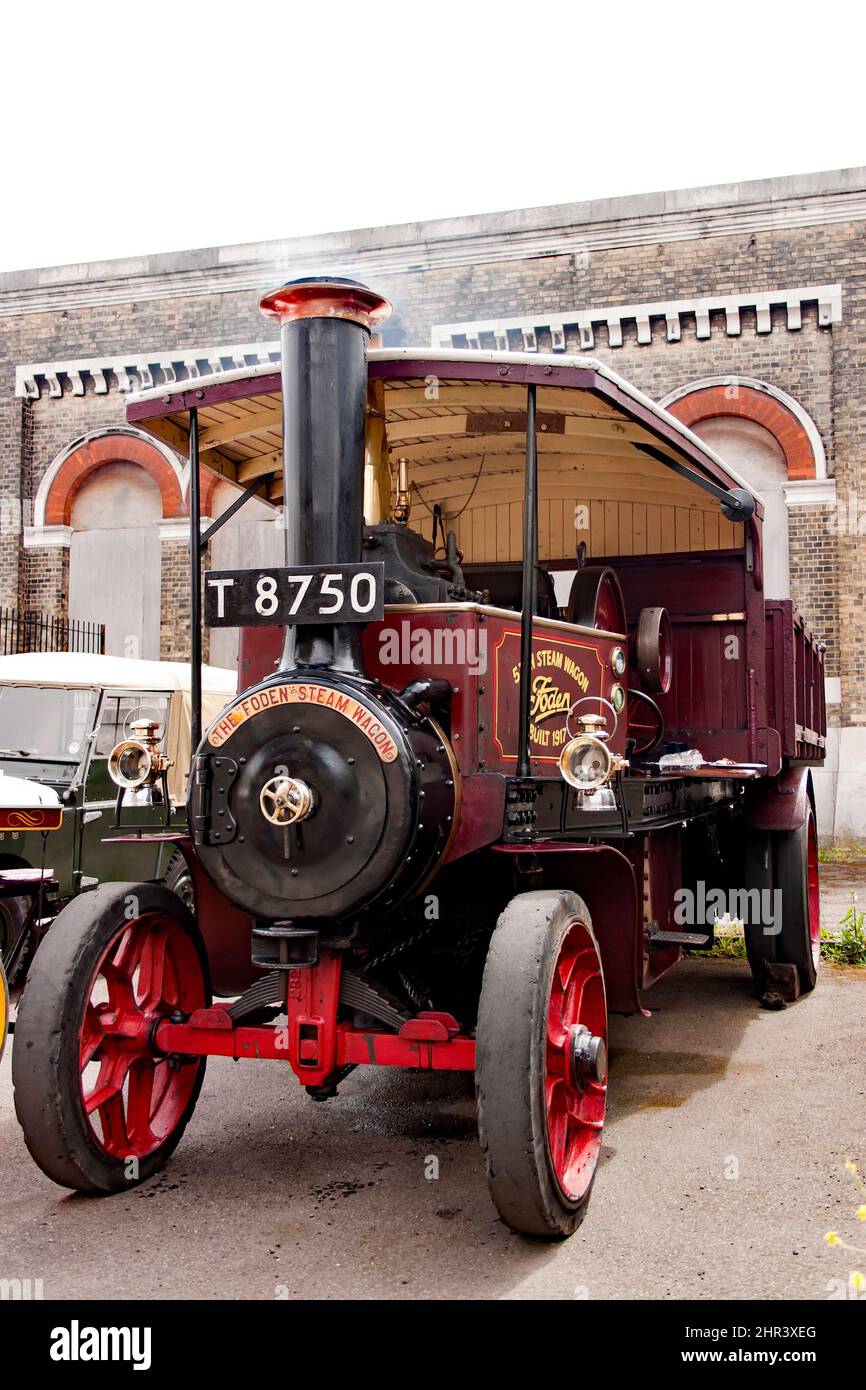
(61, 714)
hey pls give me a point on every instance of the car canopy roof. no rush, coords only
(77, 670)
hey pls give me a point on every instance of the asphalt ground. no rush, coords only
(722, 1171)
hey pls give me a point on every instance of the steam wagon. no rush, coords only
(513, 699)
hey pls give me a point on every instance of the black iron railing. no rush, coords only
(36, 632)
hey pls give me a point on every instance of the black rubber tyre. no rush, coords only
(13, 925)
(758, 874)
(179, 879)
(4, 1009)
(796, 875)
(50, 1027)
(512, 1069)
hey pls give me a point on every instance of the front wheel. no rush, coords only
(541, 1063)
(4, 1009)
(179, 879)
(100, 1108)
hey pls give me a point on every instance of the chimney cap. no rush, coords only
(326, 297)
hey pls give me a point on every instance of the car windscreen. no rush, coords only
(46, 723)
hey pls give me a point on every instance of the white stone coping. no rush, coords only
(188, 363)
(827, 297)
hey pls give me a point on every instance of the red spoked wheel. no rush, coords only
(134, 1098)
(796, 875)
(576, 1071)
(645, 723)
(541, 1063)
(100, 1107)
(4, 1008)
(813, 888)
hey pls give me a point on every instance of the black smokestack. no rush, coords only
(325, 325)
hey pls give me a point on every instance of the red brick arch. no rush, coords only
(118, 447)
(708, 402)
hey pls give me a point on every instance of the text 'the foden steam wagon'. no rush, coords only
(514, 695)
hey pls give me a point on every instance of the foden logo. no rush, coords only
(559, 676)
(547, 699)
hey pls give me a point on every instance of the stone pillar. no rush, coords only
(174, 638)
(45, 587)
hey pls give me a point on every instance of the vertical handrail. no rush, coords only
(195, 580)
(530, 580)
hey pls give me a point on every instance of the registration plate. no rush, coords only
(299, 594)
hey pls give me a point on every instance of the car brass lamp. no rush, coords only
(137, 762)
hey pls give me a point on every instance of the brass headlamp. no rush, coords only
(137, 762)
(586, 762)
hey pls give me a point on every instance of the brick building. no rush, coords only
(742, 308)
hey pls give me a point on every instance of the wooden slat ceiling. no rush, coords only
(466, 444)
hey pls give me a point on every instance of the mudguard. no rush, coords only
(779, 803)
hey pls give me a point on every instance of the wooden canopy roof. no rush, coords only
(459, 419)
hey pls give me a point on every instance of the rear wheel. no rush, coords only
(541, 1068)
(100, 1108)
(785, 862)
(758, 875)
(796, 875)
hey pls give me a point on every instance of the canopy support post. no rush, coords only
(229, 512)
(530, 581)
(195, 551)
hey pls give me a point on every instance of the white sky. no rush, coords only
(166, 126)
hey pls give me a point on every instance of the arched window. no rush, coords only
(104, 497)
(769, 439)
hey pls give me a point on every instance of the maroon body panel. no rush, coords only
(569, 664)
(795, 683)
(718, 697)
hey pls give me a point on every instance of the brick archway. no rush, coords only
(707, 401)
(63, 481)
